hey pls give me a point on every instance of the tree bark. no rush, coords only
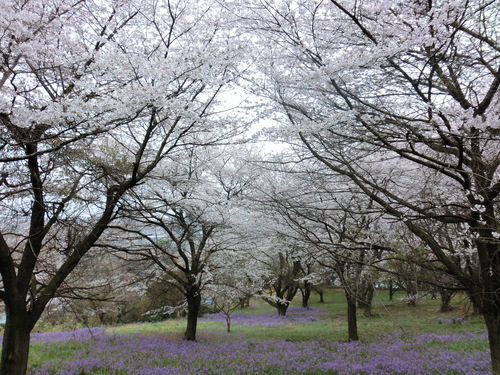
(352, 325)
(245, 301)
(411, 293)
(16, 342)
(366, 298)
(194, 302)
(493, 327)
(392, 290)
(321, 295)
(446, 296)
(306, 294)
(281, 307)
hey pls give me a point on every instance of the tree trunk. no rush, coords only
(446, 296)
(411, 293)
(365, 302)
(281, 307)
(352, 325)
(493, 327)
(15, 347)
(392, 290)
(228, 322)
(321, 295)
(306, 294)
(194, 302)
(245, 301)
(476, 302)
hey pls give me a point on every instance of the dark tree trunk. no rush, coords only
(446, 296)
(352, 325)
(493, 327)
(366, 298)
(321, 295)
(306, 294)
(476, 301)
(392, 290)
(490, 302)
(194, 302)
(245, 301)
(281, 307)
(15, 346)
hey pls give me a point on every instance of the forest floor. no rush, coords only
(397, 339)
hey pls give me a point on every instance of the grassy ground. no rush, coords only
(387, 316)
(406, 331)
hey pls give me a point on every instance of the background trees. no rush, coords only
(334, 230)
(398, 98)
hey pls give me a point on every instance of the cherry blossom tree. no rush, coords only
(94, 95)
(396, 96)
(282, 281)
(339, 232)
(236, 277)
(181, 221)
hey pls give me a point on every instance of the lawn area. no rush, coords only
(398, 339)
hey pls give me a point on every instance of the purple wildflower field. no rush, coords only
(99, 352)
(293, 315)
(392, 354)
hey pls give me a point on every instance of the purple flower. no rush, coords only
(395, 353)
(294, 315)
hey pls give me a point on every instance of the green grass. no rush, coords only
(388, 316)
(41, 353)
